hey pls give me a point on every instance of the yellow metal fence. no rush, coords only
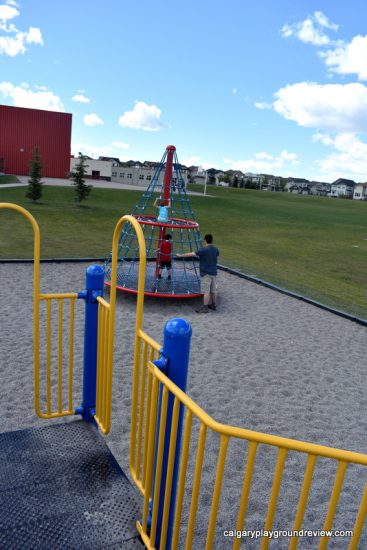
(198, 426)
(54, 364)
(104, 368)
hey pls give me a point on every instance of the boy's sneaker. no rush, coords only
(169, 278)
(212, 306)
(202, 309)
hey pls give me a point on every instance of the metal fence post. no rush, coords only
(94, 287)
(174, 362)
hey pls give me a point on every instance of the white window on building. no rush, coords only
(129, 176)
(122, 174)
(141, 176)
(114, 174)
(149, 177)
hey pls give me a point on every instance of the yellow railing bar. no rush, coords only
(182, 478)
(170, 465)
(153, 422)
(48, 358)
(359, 523)
(152, 343)
(302, 503)
(141, 408)
(36, 293)
(259, 437)
(59, 366)
(224, 440)
(282, 455)
(57, 296)
(71, 352)
(159, 461)
(246, 487)
(147, 427)
(196, 486)
(333, 503)
(112, 308)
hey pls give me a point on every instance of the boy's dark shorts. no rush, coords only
(168, 265)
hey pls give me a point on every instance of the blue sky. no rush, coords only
(263, 87)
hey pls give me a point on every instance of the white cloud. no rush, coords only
(264, 162)
(234, 91)
(191, 161)
(120, 145)
(14, 41)
(330, 107)
(323, 21)
(262, 105)
(348, 58)
(263, 156)
(348, 160)
(310, 30)
(196, 161)
(80, 98)
(92, 120)
(23, 96)
(142, 117)
(8, 12)
(34, 36)
(95, 151)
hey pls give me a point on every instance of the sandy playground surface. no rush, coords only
(263, 361)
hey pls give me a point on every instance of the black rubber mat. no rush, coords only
(61, 488)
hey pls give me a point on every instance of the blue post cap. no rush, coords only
(178, 328)
(94, 276)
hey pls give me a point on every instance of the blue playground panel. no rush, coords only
(61, 488)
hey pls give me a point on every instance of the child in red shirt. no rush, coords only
(165, 254)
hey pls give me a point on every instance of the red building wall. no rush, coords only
(21, 130)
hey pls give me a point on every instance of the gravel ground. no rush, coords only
(263, 361)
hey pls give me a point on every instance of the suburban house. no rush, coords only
(196, 174)
(360, 192)
(319, 188)
(342, 188)
(297, 186)
(253, 178)
(114, 160)
(141, 173)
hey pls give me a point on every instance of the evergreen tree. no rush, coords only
(81, 189)
(34, 189)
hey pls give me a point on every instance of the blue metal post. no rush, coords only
(174, 362)
(94, 288)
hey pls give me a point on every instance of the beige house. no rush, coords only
(360, 192)
(141, 173)
(96, 169)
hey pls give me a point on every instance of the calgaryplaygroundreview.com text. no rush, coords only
(286, 533)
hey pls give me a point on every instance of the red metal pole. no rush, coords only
(170, 149)
(166, 195)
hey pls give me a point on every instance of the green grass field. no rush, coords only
(8, 179)
(311, 245)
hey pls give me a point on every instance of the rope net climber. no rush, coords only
(169, 227)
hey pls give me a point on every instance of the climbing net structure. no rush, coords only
(167, 276)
